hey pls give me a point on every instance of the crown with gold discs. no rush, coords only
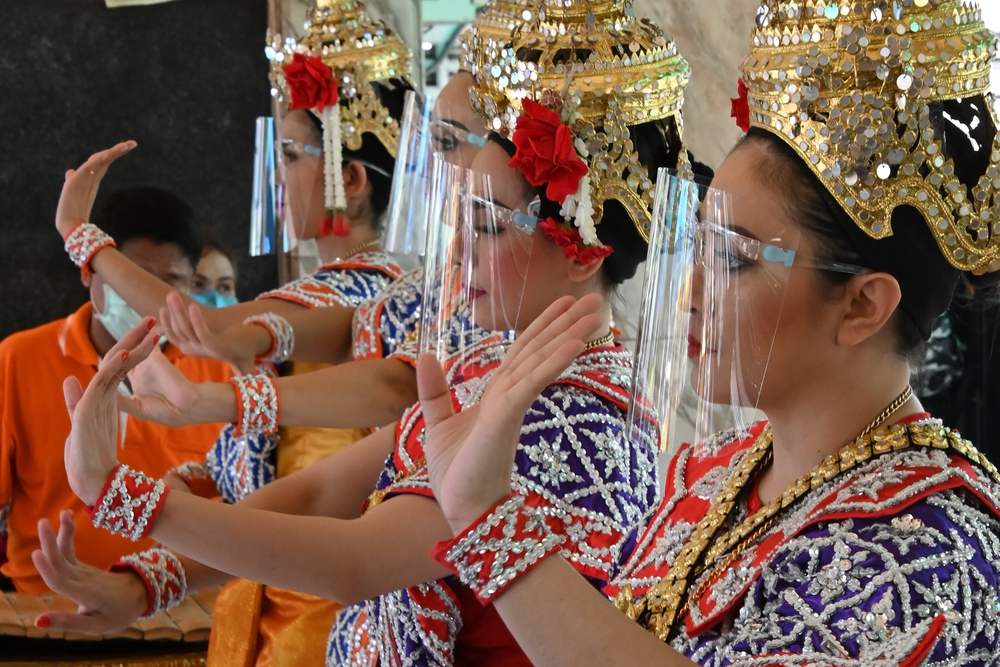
(495, 21)
(849, 85)
(603, 71)
(358, 50)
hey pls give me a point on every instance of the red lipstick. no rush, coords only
(694, 347)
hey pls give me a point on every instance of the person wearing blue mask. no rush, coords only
(214, 280)
(155, 230)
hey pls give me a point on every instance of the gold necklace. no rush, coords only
(371, 243)
(665, 604)
(600, 342)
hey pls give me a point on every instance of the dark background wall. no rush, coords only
(184, 79)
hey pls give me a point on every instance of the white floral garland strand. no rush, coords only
(578, 207)
(334, 194)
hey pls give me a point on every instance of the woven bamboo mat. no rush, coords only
(191, 621)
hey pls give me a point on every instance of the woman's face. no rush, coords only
(514, 275)
(214, 272)
(456, 132)
(302, 171)
(765, 319)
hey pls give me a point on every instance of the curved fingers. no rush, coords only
(179, 319)
(432, 389)
(537, 328)
(129, 352)
(64, 539)
(554, 328)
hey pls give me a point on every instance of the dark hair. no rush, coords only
(148, 212)
(210, 243)
(658, 144)
(926, 279)
(392, 95)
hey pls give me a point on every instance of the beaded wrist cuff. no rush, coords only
(504, 544)
(164, 576)
(85, 240)
(129, 503)
(257, 402)
(282, 337)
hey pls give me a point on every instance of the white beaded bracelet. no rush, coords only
(282, 337)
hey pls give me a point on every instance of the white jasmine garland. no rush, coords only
(340, 197)
(568, 210)
(584, 218)
(328, 158)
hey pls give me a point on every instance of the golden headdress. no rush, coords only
(358, 51)
(495, 21)
(602, 70)
(848, 85)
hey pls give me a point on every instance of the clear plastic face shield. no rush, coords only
(718, 316)
(477, 261)
(442, 129)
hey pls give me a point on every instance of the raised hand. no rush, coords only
(91, 447)
(108, 601)
(80, 188)
(161, 393)
(186, 328)
(470, 454)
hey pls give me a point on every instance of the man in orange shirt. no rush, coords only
(154, 229)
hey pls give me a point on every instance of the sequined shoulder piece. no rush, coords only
(383, 324)
(347, 284)
(694, 477)
(606, 371)
(891, 478)
(915, 587)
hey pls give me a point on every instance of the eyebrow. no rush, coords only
(453, 123)
(742, 231)
(483, 201)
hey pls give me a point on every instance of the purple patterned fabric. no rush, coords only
(848, 592)
(572, 452)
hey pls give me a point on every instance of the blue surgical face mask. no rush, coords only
(118, 317)
(213, 299)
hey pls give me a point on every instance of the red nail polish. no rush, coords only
(124, 355)
(43, 622)
(152, 323)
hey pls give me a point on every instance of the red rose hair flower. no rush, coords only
(545, 152)
(310, 82)
(741, 108)
(568, 238)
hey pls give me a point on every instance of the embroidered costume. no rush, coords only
(572, 453)
(241, 465)
(380, 327)
(861, 569)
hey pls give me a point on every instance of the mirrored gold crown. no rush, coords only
(596, 59)
(849, 84)
(359, 51)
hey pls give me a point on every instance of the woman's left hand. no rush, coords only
(91, 447)
(80, 188)
(470, 454)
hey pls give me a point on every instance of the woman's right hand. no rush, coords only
(470, 454)
(108, 601)
(80, 189)
(186, 328)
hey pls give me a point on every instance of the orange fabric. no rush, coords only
(34, 425)
(293, 629)
(233, 641)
